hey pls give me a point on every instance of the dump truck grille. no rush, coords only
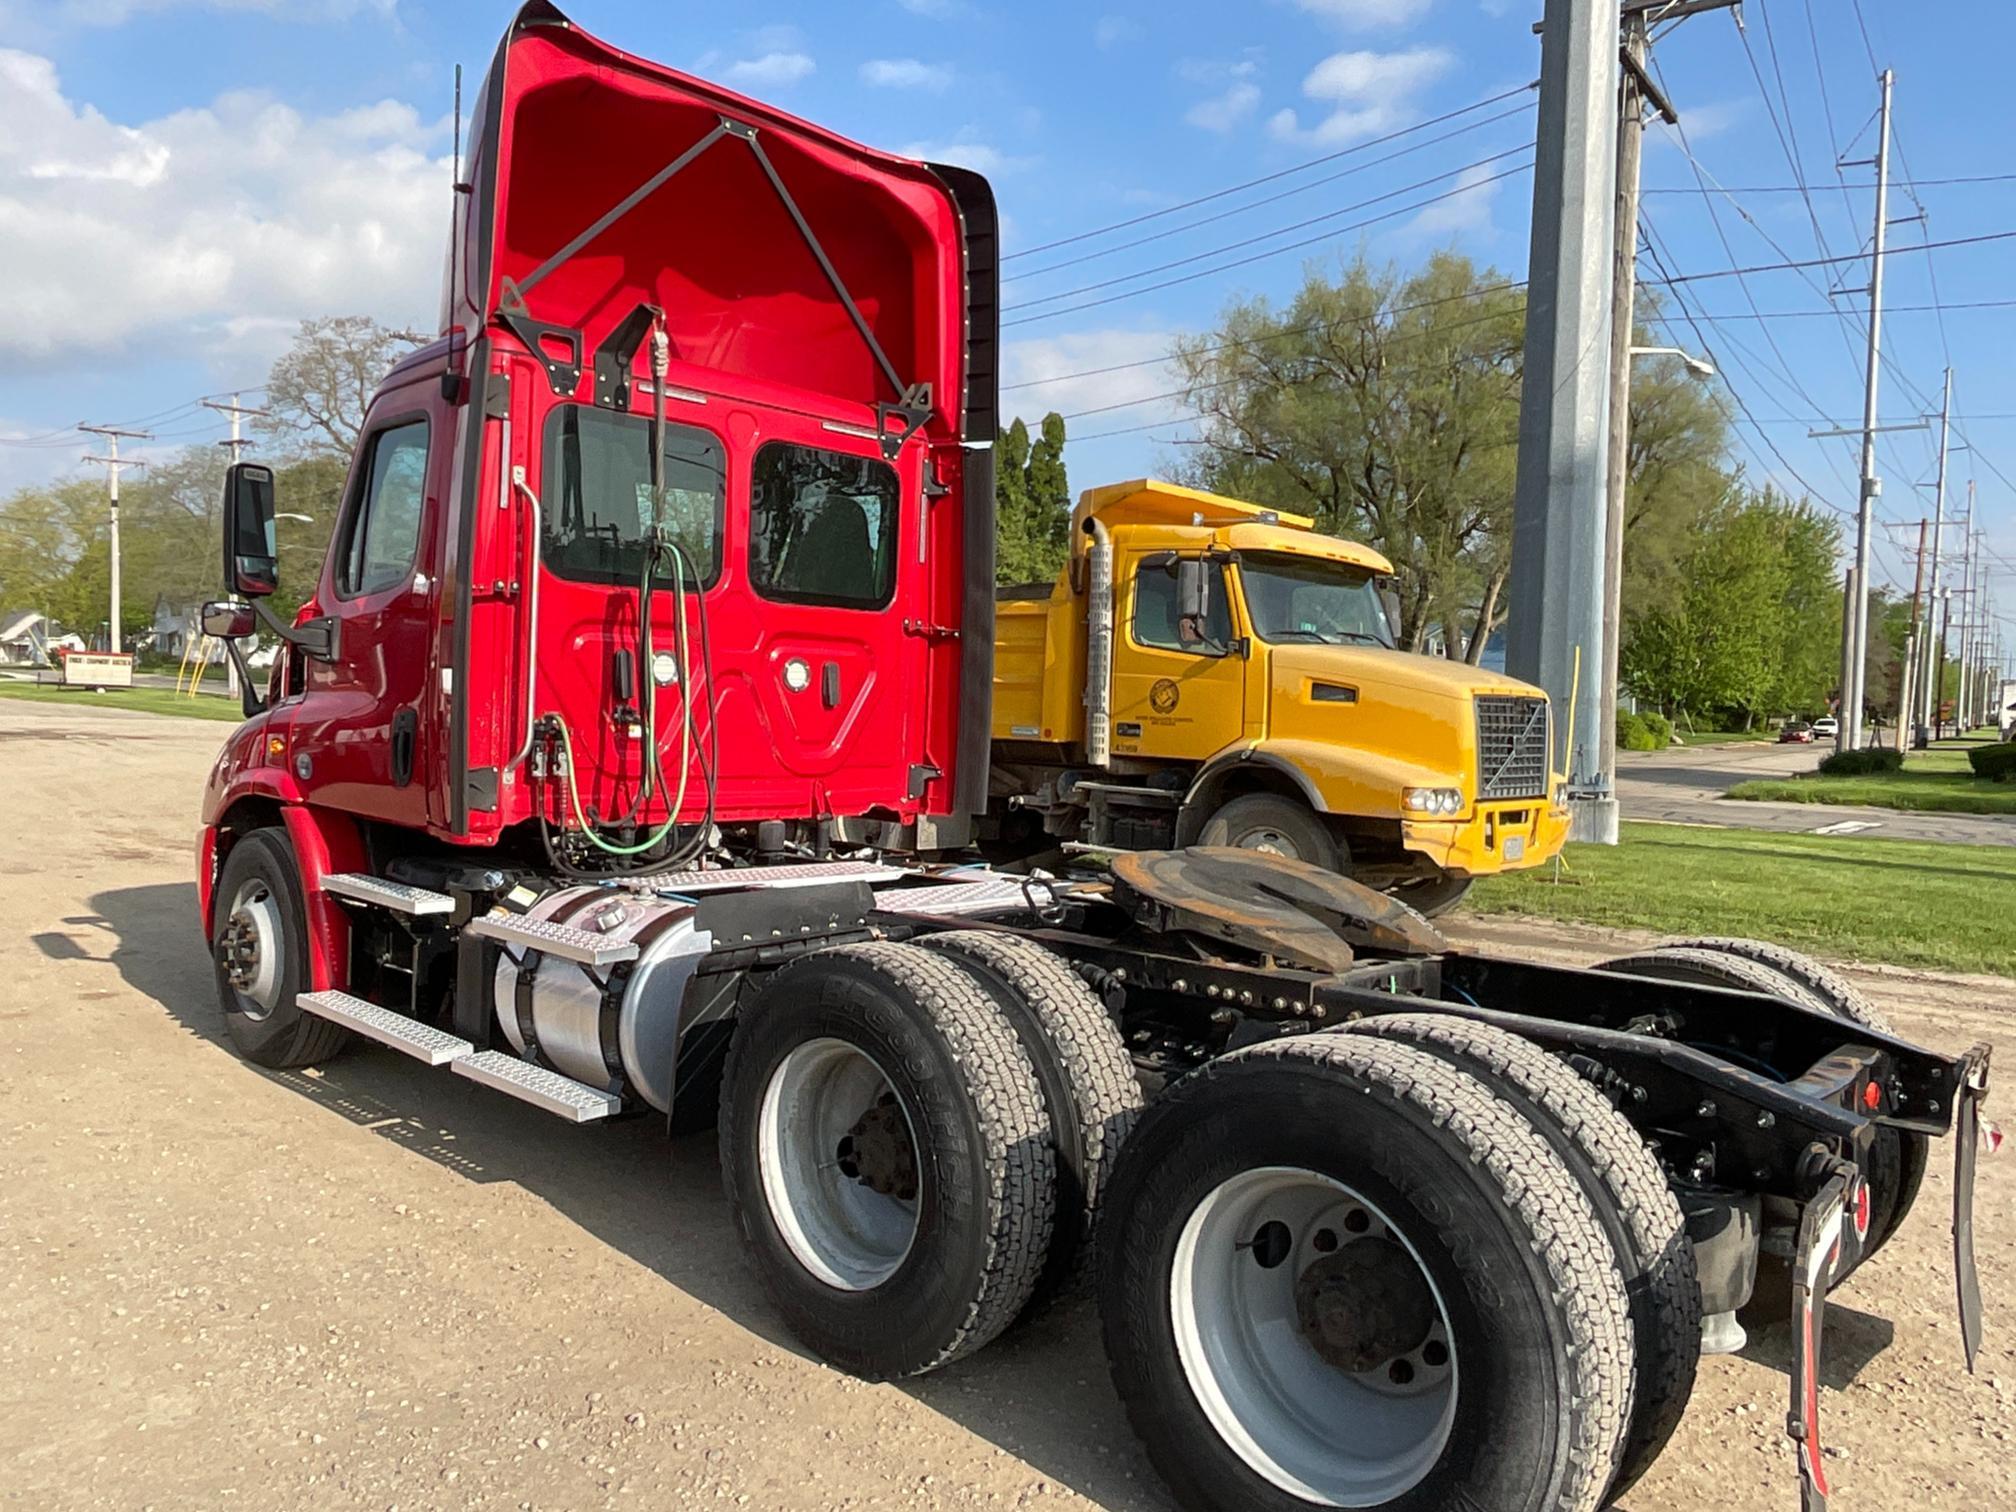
(1511, 747)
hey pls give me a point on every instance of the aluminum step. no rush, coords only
(562, 940)
(396, 896)
(784, 874)
(988, 894)
(572, 1100)
(421, 1041)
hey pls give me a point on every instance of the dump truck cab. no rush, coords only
(1253, 695)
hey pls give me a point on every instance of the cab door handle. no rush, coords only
(829, 684)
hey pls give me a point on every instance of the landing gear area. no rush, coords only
(1370, 1222)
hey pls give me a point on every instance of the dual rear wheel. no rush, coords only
(913, 1140)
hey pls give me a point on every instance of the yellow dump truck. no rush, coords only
(1205, 671)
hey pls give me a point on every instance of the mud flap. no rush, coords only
(1813, 1258)
(1970, 1133)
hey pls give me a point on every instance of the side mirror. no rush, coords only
(229, 621)
(251, 560)
(1392, 602)
(1193, 599)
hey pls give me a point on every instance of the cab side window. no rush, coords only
(383, 530)
(1155, 618)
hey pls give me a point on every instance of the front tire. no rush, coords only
(1311, 1242)
(259, 949)
(1433, 896)
(1280, 826)
(887, 1157)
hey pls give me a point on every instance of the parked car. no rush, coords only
(1826, 727)
(1796, 734)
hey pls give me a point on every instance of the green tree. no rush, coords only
(1032, 502)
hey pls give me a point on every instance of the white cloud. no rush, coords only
(1367, 15)
(1366, 92)
(1468, 209)
(963, 152)
(1114, 30)
(773, 70)
(1038, 358)
(216, 226)
(1222, 112)
(1700, 122)
(906, 73)
(936, 9)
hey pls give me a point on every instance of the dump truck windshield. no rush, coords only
(1295, 598)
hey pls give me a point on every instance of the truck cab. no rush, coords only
(1250, 693)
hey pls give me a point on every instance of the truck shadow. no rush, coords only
(1041, 1393)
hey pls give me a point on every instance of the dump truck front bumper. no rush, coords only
(1495, 837)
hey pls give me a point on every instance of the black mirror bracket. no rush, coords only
(249, 700)
(319, 638)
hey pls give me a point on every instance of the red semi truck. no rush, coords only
(648, 670)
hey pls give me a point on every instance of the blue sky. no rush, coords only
(183, 180)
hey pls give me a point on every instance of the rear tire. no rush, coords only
(1897, 1157)
(1241, 1166)
(1629, 1193)
(259, 949)
(1085, 1072)
(887, 1157)
(1269, 822)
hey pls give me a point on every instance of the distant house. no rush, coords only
(178, 628)
(24, 636)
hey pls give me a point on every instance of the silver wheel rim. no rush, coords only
(249, 948)
(838, 1225)
(1267, 838)
(1328, 1435)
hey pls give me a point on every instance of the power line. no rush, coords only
(1268, 178)
(1209, 252)
(1171, 283)
(1930, 183)
(1822, 262)
(1330, 178)
(1301, 330)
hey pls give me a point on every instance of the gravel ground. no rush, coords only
(378, 1286)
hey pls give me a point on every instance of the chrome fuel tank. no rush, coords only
(621, 1021)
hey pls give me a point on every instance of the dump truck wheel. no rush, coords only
(887, 1157)
(1309, 1242)
(1897, 1156)
(1629, 1193)
(1269, 822)
(259, 947)
(1433, 896)
(1085, 1072)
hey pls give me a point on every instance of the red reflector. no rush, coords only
(1861, 1209)
(1872, 1097)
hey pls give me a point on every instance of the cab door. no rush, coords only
(1174, 697)
(362, 739)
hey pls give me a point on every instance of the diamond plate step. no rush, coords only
(984, 895)
(421, 1041)
(788, 874)
(562, 940)
(572, 1100)
(396, 896)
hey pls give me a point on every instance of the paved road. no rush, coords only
(1685, 784)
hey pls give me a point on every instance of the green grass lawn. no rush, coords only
(1938, 780)
(1941, 906)
(145, 700)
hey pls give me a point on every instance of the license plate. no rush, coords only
(1515, 847)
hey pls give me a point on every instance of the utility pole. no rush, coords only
(113, 465)
(1938, 527)
(1850, 735)
(1970, 589)
(1907, 684)
(1945, 596)
(1554, 636)
(237, 412)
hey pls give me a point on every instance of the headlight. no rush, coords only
(1432, 800)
